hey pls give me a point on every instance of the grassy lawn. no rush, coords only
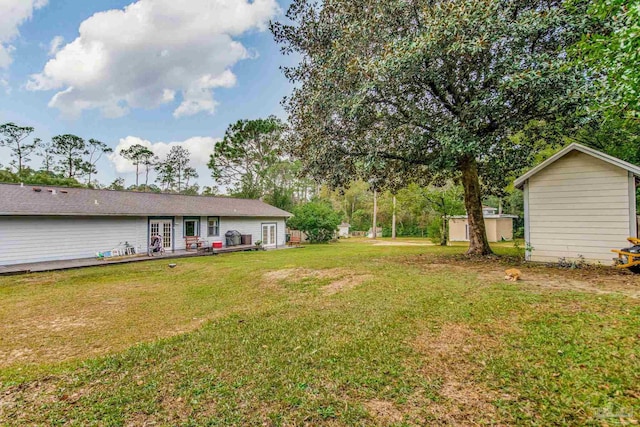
(352, 333)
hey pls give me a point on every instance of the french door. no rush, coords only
(269, 234)
(164, 228)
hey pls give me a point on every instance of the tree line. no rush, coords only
(70, 160)
(66, 159)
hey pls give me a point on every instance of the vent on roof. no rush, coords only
(37, 190)
(64, 191)
(95, 202)
(52, 191)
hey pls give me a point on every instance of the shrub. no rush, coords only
(317, 219)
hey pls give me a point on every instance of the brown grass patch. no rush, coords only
(452, 357)
(342, 279)
(385, 413)
(598, 280)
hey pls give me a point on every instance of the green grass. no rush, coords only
(424, 337)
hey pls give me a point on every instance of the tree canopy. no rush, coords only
(395, 92)
(13, 137)
(249, 150)
(613, 48)
(138, 154)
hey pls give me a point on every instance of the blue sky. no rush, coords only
(145, 71)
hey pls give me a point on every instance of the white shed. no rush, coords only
(579, 203)
(498, 226)
(343, 229)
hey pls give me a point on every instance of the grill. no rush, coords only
(233, 237)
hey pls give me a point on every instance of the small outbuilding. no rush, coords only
(579, 204)
(499, 226)
(343, 230)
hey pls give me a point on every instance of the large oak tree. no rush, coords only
(396, 91)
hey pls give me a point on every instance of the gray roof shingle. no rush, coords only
(25, 200)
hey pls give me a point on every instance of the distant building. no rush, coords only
(343, 229)
(378, 234)
(499, 226)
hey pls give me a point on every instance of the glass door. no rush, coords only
(268, 234)
(162, 227)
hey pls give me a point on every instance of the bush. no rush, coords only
(317, 219)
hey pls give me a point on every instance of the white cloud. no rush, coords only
(55, 45)
(200, 147)
(4, 84)
(150, 53)
(14, 13)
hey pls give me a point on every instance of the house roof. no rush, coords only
(16, 199)
(518, 183)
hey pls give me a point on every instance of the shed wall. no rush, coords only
(497, 228)
(490, 225)
(457, 230)
(578, 205)
(33, 239)
(504, 229)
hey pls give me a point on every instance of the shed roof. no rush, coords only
(518, 183)
(16, 199)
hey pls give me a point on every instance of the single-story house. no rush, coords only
(43, 223)
(343, 229)
(579, 203)
(499, 226)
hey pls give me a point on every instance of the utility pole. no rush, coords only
(374, 232)
(393, 219)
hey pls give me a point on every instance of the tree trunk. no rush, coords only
(478, 243)
(393, 219)
(137, 174)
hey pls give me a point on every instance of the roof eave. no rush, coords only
(519, 182)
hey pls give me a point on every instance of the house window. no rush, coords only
(213, 226)
(191, 227)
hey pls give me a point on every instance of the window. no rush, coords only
(191, 227)
(213, 226)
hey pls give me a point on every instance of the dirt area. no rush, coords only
(598, 280)
(340, 279)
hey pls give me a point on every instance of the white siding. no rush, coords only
(32, 239)
(578, 205)
(251, 226)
